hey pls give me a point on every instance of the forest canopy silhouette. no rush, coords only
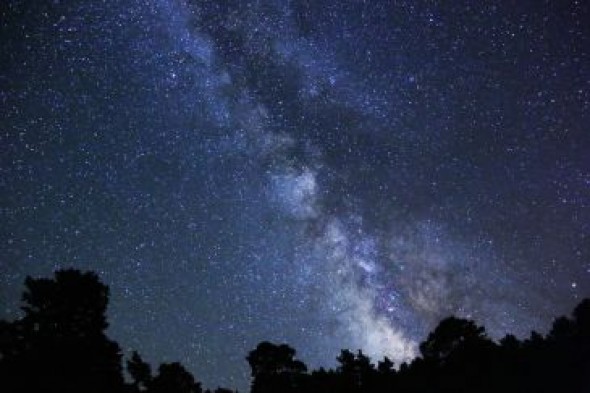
(60, 345)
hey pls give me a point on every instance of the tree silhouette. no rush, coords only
(458, 356)
(274, 368)
(567, 350)
(140, 372)
(582, 317)
(356, 371)
(59, 344)
(174, 378)
(582, 343)
(450, 336)
(270, 358)
(73, 304)
(385, 366)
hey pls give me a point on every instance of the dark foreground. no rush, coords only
(60, 346)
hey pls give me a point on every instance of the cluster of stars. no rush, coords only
(329, 174)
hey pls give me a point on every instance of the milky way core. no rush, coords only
(329, 174)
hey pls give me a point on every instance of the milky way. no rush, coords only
(327, 174)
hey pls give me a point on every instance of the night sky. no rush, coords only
(326, 174)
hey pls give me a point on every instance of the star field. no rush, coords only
(327, 174)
